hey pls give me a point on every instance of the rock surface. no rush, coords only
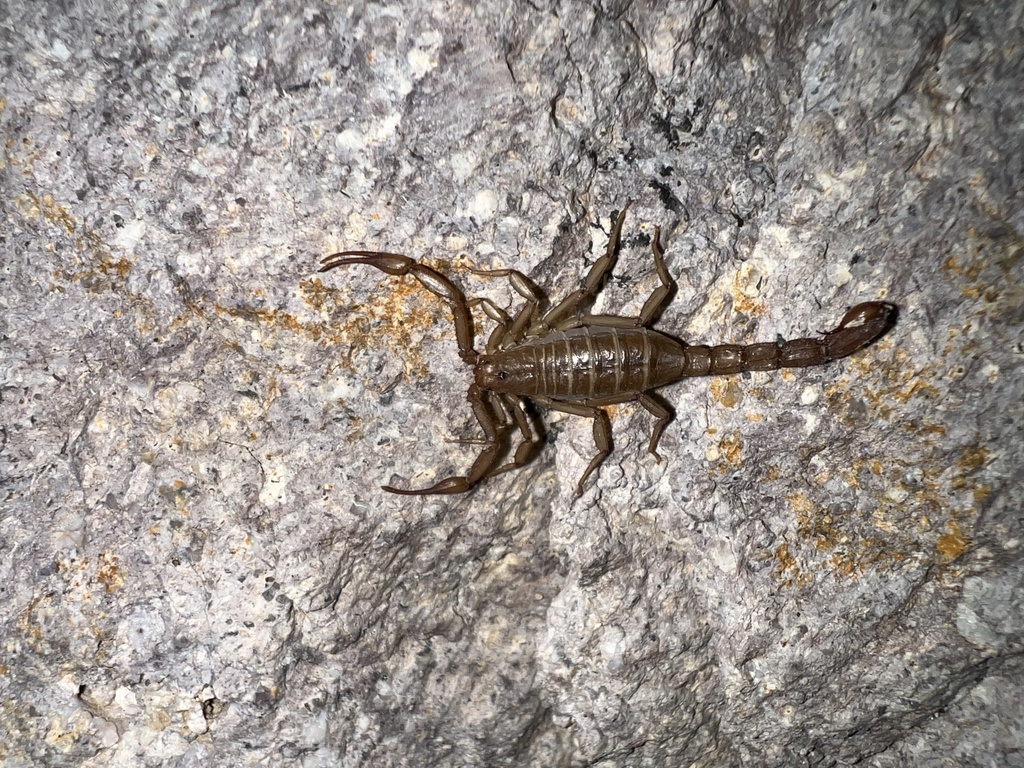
(197, 565)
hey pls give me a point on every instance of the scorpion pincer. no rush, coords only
(569, 361)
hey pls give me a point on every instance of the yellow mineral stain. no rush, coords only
(788, 570)
(744, 290)
(108, 573)
(399, 318)
(951, 544)
(726, 390)
(727, 453)
(973, 458)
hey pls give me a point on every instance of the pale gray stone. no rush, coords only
(197, 564)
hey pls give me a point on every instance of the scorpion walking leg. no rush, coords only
(532, 432)
(662, 412)
(602, 432)
(494, 434)
(515, 329)
(571, 304)
(432, 280)
(659, 297)
(652, 403)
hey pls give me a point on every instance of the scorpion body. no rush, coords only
(576, 363)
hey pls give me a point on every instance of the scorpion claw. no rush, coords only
(448, 485)
(392, 263)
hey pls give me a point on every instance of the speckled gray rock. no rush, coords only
(197, 565)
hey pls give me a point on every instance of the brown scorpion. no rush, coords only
(576, 363)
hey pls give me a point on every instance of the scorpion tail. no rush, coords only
(863, 325)
(860, 327)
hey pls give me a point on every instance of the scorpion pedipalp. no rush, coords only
(432, 280)
(494, 431)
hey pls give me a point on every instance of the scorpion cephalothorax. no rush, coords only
(576, 363)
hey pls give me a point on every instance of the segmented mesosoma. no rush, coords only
(568, 361)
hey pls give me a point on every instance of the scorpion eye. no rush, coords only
(502, 375)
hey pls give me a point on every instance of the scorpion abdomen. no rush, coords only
(585, 363)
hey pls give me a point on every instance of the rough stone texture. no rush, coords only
(197, 566)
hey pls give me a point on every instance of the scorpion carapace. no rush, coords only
(576, 363)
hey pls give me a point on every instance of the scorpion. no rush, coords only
(576, 363)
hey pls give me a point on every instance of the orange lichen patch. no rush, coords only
(851, 474)
(22, 153)
(764, 394)
(175, 494)
(883, 389)
(385, 322)
(732, 446)
(356, 429)
(727, 453)
(99, 270)
(979, 493)
(986, 264)
(803, 509)
(847, 556)
(108, 574)
(788, 570)
(397, 318)
(64, 734)
(951, 544)
(925, 430)
(320, 296)
(924, 515)
(916, 388)
(726, 390)
(742, 280)
(870, 553)
(971, 460)
(272, 318)
(883, 401)
(32, 207)
(27, 622)
(962, 269)
(105, 266)
(902, 384)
